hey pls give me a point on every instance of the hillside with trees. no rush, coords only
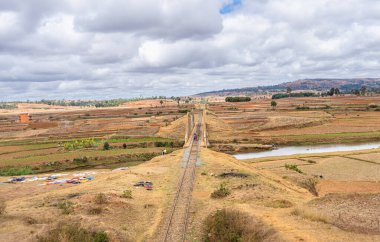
(320, 85)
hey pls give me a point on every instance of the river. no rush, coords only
(315, 149)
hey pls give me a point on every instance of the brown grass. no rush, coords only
(310, 184)
(310, 214)
(2, 207)
(234, 225)
(280, 204)
(101, 198)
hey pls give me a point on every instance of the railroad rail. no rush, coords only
(176, 224)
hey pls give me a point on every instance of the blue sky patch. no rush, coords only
(230, 7)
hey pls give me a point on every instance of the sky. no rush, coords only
(89, 49)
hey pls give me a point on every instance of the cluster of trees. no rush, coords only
(7, 106)
(238, 99)
(80, 103)
(332, 92)
(300, 94)
(335, 91)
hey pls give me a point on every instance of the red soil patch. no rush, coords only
(326, 187)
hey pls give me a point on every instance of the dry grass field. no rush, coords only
(327, 120)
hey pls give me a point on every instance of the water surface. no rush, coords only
(295, 150)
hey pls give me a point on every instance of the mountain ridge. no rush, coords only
(317, 84)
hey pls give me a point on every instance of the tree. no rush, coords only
(363, 90)
(273, 104)
(106, 146)
(289, 90)
(331, 92)
(124, 146)
(178, 99)
(161, 102)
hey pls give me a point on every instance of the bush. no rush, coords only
(66, 207)
(293, 167)
(302, 108)
(2, 207)
(183, 111)
(164, 144)
(127, 194)
(100, 198)
(100, 237)
(73, 232)
(83, 159)
(236, 226)
(124, 146)
(221, 192)
(372, 105)
(16, 171)
(273, 104)
(95, 210)
(106, 146)
(238, 99)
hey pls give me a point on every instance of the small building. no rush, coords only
(24, 117)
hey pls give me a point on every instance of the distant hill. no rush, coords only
(345, 85)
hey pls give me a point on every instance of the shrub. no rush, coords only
(221, 192)
(16, 171)
(66, 207)
(183, 111)
(302, 108)
(164, 144)
(293, 167)
(372, 105)
(127, 194)
(83, 159)
(236, 226)
(95, 210)
(106, 146)
(100, 198)
(2, 207)
(100, 237)
(73, 232)
(273, 104)
(124, 146)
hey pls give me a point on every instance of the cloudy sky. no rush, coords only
(80, 49)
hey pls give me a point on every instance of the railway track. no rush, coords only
(175, 227)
